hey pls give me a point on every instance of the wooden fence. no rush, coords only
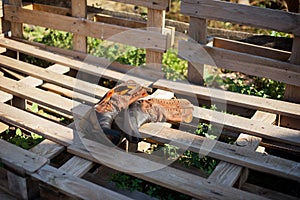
(59, 167)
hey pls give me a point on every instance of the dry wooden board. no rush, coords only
(249, 126)
(47, 149)
(243, 47)
(74, 186)
(50, 130)
(99, 71)
(77, 166)
(270, 194)
(53, 77)
(226, 173)
(221, 96)
(134, 37)
(178, 180)
(242, 14)
(20, 159)
(241, 62)
(4, 97)
(37, 95)
(154, 4)
(226, 152)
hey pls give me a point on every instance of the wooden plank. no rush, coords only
(241, 62)
(19, 159)
(47, 149)
(51, 9)
(95, 70)
(270, 194)
(249, 126)
(53, 77)
(292, 92)
(198, 32)
(232, 98)
(229, 153)
(74, 186)
(84, 27)
(222, 151)
(257, 50)
(48, 129)
(16, 28)
(152, 4)
(242, 14)
(79, 11)
(4, 97)
(3, 127)
(77, 166)
(155, 22)
(39, 96)
(174, 179)
(228, 174)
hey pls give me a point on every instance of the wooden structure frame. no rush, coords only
(27, 174)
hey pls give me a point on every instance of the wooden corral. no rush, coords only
(61, 167)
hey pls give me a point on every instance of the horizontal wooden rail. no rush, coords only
(74, 84)
(246, 15)
(96, 70)
(241, 62)
(135, 37)
(257, 50)
(74, 186)
(232, 98)
(153, 4)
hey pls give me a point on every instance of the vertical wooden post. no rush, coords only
(292, 93)
(155, 22)
(79, 10)
(16, 28)
(197, 31)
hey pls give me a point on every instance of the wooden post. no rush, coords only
(292, 93)
(197, 31)
(16, 28)
(156, 22)
(79, 10)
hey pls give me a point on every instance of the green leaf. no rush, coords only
(35, 107)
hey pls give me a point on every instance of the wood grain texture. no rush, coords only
(152, 4)
(50, 130)
(232, 98)
(74, 186)
(251, 49)
(79, 10)
(47, 149)
(16, 28)
(19, 159)
(241, 62)
(183, 182)
(242, 14)
(93, 69)
(228, 174)
(53, 77)
(77, 166)
(84, 27)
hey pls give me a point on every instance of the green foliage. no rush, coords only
(127, 182)
(174, 67)
(256, 86)
(21, 138)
